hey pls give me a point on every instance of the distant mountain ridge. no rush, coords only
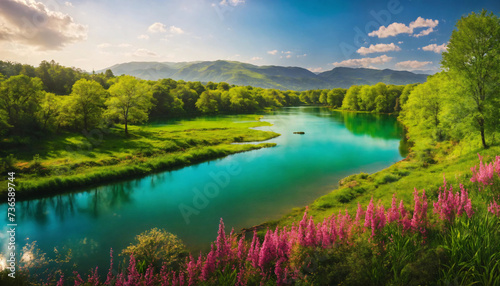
(279, 77)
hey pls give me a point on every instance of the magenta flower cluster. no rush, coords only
(494, 208)
(449, 205)
(279, 256)
(486, 172)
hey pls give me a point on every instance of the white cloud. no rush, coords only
(108, 45)
(256, 59)
(424, 32)
(104, 45)
(424, 23)
(175, 30)
(157, 28)
(68, 4)
(32, 23)
(435, 48)
(400, 28)
(162, 28)
(144, 53)
(143, 37)
(301, 56)
(400, 42)
(364, 62)
(273, 52)
(315, 69)
(412, 65)
(231, 2)
(391, 30)
(378, 48)
(287, 52)
(288, 56)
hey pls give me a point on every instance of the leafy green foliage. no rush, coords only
(87, 103)
(130, 101)
(377, 98)
(20, 98)
(157, 247)
(473, 60)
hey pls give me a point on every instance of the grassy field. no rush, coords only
(400, 179)
(71, 160)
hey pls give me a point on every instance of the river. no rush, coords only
(244, 189)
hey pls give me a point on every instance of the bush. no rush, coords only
(7, 163)
(157, 247)
(387, 178)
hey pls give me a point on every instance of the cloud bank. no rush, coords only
(435, 48)
(412, 65)
(363, 62)
(32, 23)
(395, 29)
(378, 48)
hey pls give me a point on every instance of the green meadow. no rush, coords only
(70, 160)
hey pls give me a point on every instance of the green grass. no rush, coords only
(400, 179)
(71, 160)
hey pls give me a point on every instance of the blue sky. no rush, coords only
(318, 35)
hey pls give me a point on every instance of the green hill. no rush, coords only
(279, 77)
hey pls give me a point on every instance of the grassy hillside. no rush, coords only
(345, 77)
(70, 160)
(278, 77)
(400, 179)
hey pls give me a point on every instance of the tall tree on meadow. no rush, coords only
(130, 100)
(473, 58)
(88, 103)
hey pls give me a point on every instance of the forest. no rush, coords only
(53, 98)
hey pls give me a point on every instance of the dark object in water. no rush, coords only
(299, 132)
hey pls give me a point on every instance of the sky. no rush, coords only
(316, 34)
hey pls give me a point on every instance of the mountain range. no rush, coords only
(278, 77)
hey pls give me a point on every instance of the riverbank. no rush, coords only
(69, 161)
(400, 179)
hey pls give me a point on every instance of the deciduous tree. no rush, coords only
(473, 59)
(130, 100)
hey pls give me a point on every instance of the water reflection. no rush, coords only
(374, 125)
(92, 202)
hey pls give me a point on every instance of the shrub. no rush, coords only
(157, 247)
(7, 163)
(387, 178)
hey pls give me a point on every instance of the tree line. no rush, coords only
(52, 98)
